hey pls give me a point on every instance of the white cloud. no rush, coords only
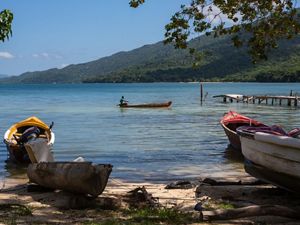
(215, 16)
(45, 55)
(6, 55)
(63, 66)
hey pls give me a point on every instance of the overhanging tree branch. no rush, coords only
(6, 18)
(255, 23)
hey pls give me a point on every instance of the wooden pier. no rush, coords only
(258, 99)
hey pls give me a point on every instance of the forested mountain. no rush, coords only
(3, 76)
(157, 62)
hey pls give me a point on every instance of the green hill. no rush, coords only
(159, 63)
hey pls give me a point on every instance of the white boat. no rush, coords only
(273, 157)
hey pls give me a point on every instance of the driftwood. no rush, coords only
(139, 197)
(213, 182)
(250, 211)
(75, 177)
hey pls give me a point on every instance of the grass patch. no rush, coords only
(212, 205)
(160, 214)
(10, 212)
(148, 216)
(15, 210)
(10, 221)
(226, 205)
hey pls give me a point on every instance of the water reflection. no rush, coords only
(15, 170)
(233, 155)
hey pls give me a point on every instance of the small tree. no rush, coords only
(265, 21)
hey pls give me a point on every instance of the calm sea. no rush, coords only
(142, 144)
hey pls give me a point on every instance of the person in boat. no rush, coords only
(123, 101)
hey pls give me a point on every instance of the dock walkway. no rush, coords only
(258, 99)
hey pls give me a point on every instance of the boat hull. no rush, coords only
(231, 121)
(75, 177)
(17, 151)
(284, 181)
(150, 105)
(274, 159)
(233, 137)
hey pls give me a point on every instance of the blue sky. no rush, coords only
(55, 33)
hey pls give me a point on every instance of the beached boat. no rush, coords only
(18, 134)
(76, 177)
(147, 105)
(231, 121)
(272, 155)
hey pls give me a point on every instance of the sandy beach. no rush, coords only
(53, 207)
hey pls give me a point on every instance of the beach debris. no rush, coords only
(109, 203)
(251, 211)
(184, 184)
(75, 177)
(139, 197)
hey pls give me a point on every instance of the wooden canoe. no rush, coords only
(15, 147)
(75, 177)
(147, 105)
(231, 121)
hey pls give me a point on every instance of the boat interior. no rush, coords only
(234, 126)
(20, 131)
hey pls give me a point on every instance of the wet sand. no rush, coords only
(50, 207)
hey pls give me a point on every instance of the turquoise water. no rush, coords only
(142, 144)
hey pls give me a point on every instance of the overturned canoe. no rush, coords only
(147, 105)
(76, 177)
(18, 134)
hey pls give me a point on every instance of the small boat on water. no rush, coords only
(146, 105)
(20, 133)
(75, 177)
(272, 155)
(231, 121)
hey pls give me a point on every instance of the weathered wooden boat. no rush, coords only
(75, 177)
(231, 121)
(18, 134)
(147, 105)
(272, 155)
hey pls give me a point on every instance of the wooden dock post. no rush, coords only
(289, 100)
(296, 101)
(201, 93)
(272, 101)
